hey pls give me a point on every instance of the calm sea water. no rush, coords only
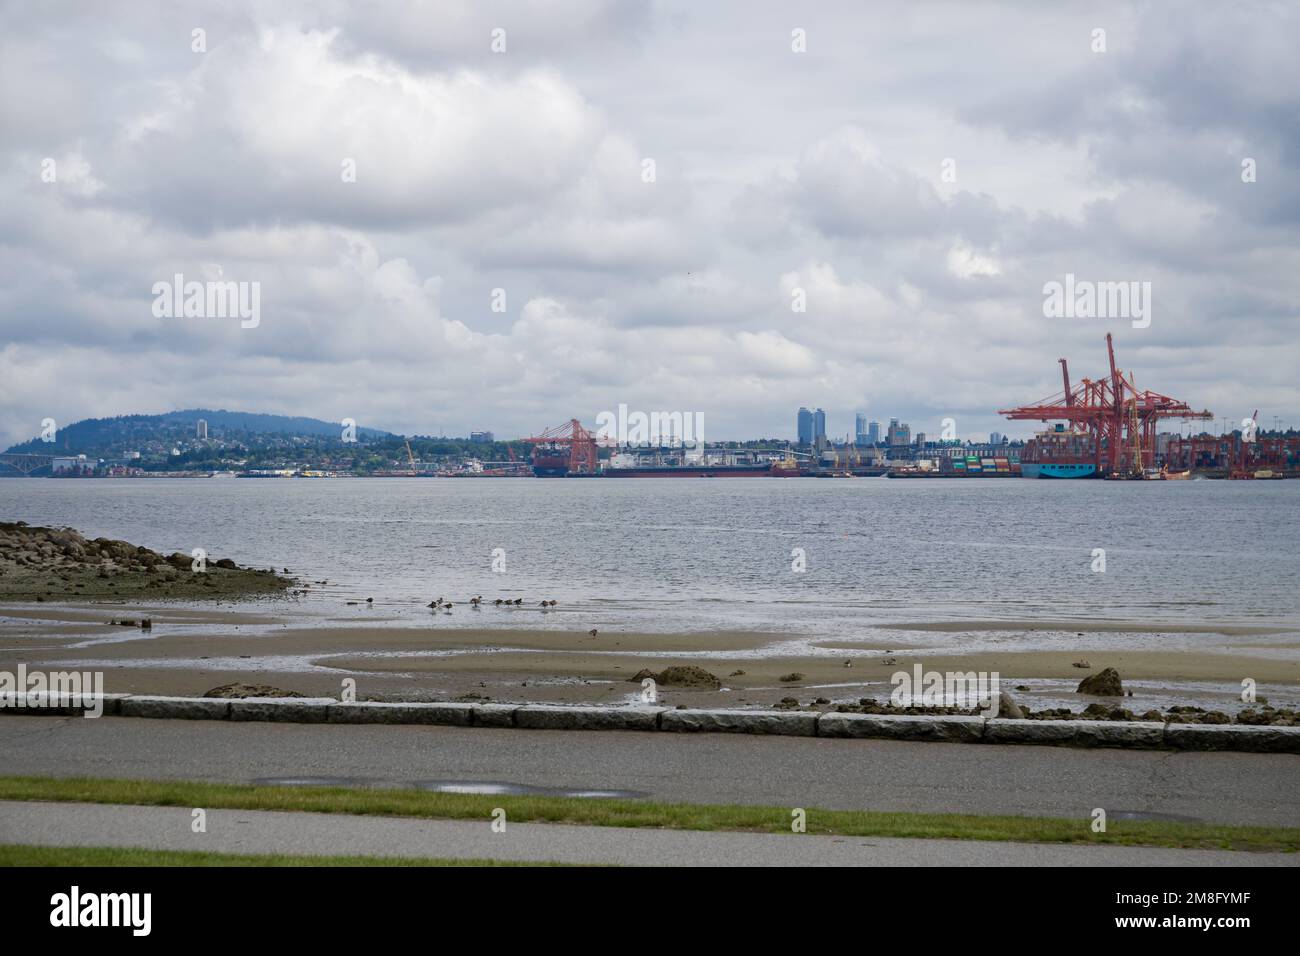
(672, 554)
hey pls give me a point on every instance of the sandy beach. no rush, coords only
(191, 650)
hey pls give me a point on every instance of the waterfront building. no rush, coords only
(805, 427)
(898, 434)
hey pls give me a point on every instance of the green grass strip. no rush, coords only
(645, 813)
(17, 855)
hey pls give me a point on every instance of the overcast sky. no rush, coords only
(776, 173)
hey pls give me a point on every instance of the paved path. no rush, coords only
(260, 831)
(705, 768)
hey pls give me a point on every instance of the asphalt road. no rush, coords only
(706, 768)
(260, 831)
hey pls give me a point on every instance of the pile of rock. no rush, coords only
(238, 691)
(685, 675)
(38, 563)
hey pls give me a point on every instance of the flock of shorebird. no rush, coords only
(444, 605)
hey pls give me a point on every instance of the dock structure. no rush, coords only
(1121, 420)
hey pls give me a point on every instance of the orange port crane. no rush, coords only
(1121, 420)
(566, 449)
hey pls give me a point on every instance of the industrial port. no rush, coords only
(1103, 427)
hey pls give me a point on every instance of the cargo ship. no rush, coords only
(629, 466)
(962, 466)
(1059, 453)
(689, 471)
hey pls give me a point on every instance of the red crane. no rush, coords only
(1239, 466)
(1121, 420)
(567, 449)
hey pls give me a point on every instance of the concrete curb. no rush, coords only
(1276, 740)
(374, 712)
(556, 717)
(493, 715)
(294, 710)
(182, 708)
(787, 722)
(902, 727)
(1132, 734)
(37, 704)
(1145, 735)
(1021, 731)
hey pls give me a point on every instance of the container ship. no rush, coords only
(1059, 453)
(966, 466)
(629, 466)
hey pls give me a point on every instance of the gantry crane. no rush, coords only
(1121, 420)
(567, 449)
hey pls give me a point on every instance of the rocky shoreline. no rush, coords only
(1262, 714)
(59, 564)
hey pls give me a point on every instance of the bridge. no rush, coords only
(25, 465)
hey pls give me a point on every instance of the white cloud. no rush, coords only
(523, 171)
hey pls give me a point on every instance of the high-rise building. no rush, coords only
(920, 439)
(873, 433)
(860, 429)
(899, 434)
(995, 438)
(805, 427)
(201, 429)
(481, 438)
(819, 424)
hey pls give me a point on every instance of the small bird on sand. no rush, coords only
(518, 601)
(592, 632)
(1083, 664)
(498, 602)
(370, 600)
(437, 603)
(848, 663)
(889, 660)
(476, 600)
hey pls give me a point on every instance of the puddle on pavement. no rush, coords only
(318, 782)
(501, 788)
(485, 787)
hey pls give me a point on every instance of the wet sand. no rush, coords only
(188, 651)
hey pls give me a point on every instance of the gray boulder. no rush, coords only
(1103, 684)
